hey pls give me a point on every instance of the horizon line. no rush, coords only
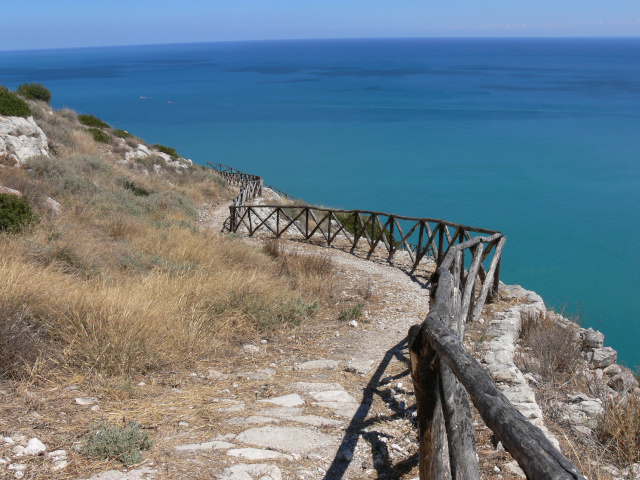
(273, 40)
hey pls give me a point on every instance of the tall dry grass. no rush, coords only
(123, 282)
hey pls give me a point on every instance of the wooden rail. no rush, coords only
(445, 376)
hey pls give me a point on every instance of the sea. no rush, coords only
(537, 138)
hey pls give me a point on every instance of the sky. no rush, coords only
(39, 24)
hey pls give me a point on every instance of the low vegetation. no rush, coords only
(168, 150)
(352, 313)
(552, 350)
(98, 135)
(91, 121)
(11, 105)
(124, 443)
(15, 213)
(122, 281)
(34, 91)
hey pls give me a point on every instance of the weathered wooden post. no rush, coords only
(425, 373)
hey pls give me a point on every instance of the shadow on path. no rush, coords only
(359, 423)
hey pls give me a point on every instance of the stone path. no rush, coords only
(344, 409)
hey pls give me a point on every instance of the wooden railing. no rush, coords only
(444, 374)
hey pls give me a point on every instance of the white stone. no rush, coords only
(86, 400)
(353, 323)
(286, 439)
(10, 191)
(21, 138)
(291, 400)
(258, 454)
(515, 469)
(197, 447)
(248, 348)
(34, 447)
(53, 206)
(319, 365)
(340, 396)
(603, 357)
(244, 471)
(59, 465)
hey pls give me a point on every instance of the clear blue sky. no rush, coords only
(79, 23)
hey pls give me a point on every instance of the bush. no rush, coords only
(118, 442)
(34, 91)
(619, 429)
(122, 134)
(551, 350)
(12, 105)
(352, 313)
(98, 135)
(15, 213)
(136, 189)
(168, 150)
(91, 121)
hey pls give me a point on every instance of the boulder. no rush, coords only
(602, 357)
(592, 339)
(21, 138)
(623, 381)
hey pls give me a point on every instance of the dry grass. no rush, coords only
(122, 282)
(550, 350)
(619, 429)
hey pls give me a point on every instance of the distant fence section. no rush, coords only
(445, 376)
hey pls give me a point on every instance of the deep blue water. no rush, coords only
(538, 138)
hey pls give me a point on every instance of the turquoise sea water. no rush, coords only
(538, 138)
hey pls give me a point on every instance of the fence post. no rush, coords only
(425, 373)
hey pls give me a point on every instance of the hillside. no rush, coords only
(124, 309)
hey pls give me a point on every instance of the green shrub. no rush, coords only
(122, 134)
(34, 91)
(15, 213)
(352, 313)
(168, 150)
(12, 105)
(98, 135)
(118, 442)
(136, 189)
(91, 121)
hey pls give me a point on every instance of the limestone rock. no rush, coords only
(244, 471)
(10, 191)
(258, 454)
(623, 381)
(602, 357)
(291, 400)
(592, 339)
(21, 138)
(319, 365)
(286, 439)
(34, 447)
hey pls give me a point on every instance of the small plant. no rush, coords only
(122, 134)
(34, 91)
(118, 442)
(15, 213)
(91, 121)
(98, 135)
(552, 350)
(136, 189)
(168, 150)
(11, 105)
(619, 429)
(352, 313)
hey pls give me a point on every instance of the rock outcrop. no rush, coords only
(21, 138)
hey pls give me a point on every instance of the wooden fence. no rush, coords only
(444, 374)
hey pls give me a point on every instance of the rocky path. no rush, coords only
(330, 401)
